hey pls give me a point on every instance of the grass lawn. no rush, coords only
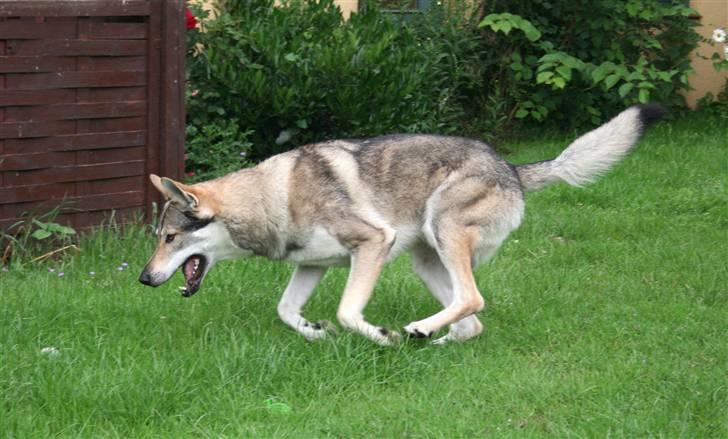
(607, 316)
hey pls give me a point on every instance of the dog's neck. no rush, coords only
(250, 209)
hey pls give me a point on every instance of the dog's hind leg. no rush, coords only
(466, 221)
(294, 298)
(456, 257)
(426, 263)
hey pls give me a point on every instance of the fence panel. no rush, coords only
(91, 102)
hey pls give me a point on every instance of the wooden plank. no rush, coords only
(34, 193)
(21, 162)
(41, 64)
(117, 31)
(22, 30)
(74, 142)
(24, 194)
(41, 160)
(154, 54)
(111, 185)
(115, 94)
(94, 220)
(84, 221)
(114, 155)
(118, 124)
(82, 126)
(71, 8)
(35, 64)
(17, 130)
(116, 200)
(173, 78)
(74, 173)
(76, 111)
(117, 63)
(68, 47)
(35, 97)
(45, 81)
(2, 113)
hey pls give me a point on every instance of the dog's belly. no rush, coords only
(321, 249)
(324, 250)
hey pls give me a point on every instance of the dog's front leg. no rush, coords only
(299, 290)
(366, 265)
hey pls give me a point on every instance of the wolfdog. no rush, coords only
(450, 201)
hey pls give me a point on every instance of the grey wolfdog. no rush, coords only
(450, 201)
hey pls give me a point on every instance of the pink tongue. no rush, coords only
(189, 268)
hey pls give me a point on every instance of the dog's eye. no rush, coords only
(169, 238)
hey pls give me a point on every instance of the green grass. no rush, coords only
(607, 316)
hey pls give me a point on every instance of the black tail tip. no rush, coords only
(651, 113)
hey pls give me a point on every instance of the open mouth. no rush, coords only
(193, 270)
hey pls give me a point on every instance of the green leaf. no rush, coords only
(602, 71)
(41, 234)
(644, 96)
(543, 77)
(611, 80)
(520, 114)
(559, 82)
(57, 228)
(565, 72)
(531, 32)
(278, 407)
(625, 88)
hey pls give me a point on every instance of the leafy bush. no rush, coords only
(298, 72)
(283, 75)
(574, 62)
(216, 143)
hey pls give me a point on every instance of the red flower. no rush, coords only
(191, 20)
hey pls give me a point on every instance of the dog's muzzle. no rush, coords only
(146, 279)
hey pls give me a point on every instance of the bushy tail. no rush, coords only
(593, 153)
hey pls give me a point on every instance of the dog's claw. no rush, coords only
(417, 334)
(325, 325)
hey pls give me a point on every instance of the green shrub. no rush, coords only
(574, 62)
(279, 76)
(298, 73)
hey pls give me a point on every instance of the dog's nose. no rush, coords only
(145, 278)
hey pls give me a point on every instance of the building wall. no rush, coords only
(714, 14)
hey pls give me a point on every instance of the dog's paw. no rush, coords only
(387, 337)
(413, 330)
(317, 330)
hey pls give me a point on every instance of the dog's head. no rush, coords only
(190, 236)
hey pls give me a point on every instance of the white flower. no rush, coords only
(719, 35)
(725, 51)
(50, 351)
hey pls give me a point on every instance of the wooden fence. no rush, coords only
(91, 102)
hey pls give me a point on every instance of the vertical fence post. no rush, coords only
(174, 49)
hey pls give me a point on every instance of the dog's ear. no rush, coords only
(178, 193)
(187, 198)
